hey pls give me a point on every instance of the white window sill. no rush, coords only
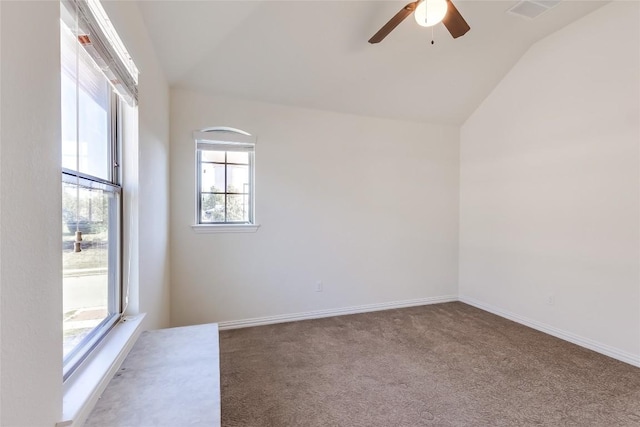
(83, 388)
(225, 228)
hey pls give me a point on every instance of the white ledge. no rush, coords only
(225, 228)
(86, 384)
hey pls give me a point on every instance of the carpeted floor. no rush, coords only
(438, 365)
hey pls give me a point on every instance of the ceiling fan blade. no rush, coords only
(393, 22)
(454, 22)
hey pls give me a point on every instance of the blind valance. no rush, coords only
(88, 22)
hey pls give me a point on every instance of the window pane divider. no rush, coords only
(71, 177)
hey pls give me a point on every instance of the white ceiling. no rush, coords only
(315, 53)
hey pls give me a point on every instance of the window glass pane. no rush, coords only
(212, 206)
(212, 156)
(212, 178)
(237, 179)
(94, 153)
(225, 186)
(238, 157)
(237, 208)
(93, 94)
(68, 95)
(88, 291)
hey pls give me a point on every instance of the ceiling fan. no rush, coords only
(427, 14)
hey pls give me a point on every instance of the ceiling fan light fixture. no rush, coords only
(430, 12)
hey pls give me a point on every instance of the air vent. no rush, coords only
(532, 9)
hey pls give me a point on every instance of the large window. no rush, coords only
(92, 97)
(91, 206)
(225, 177)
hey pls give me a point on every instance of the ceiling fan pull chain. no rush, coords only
(432, 42)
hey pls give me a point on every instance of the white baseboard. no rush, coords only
(269, 320)
(558, 333)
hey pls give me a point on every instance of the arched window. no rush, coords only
(225, 177)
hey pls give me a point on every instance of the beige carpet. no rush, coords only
(439, 365)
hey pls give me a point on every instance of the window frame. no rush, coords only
(224, 139)
(114, 275)
(226, 193)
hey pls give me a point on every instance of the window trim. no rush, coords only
(83, 388)
(82, 351)
(224, 139)
(224, 228)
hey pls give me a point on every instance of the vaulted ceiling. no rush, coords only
(315, 53)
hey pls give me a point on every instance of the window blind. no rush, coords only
(88, 22)
(92, 82)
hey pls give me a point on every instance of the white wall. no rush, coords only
(30, 224)
(326, 213)
(550, 185)
(148, 182)
(30, 201)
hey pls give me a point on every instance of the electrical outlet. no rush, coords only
(319, 286)
(551, 299)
